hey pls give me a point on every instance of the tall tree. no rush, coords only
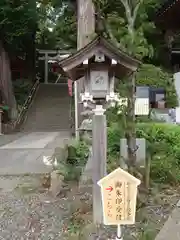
(17, 30)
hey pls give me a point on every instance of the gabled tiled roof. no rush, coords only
(106, 44)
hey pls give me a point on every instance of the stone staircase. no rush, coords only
(49, 111)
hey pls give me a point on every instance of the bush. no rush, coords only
(77, 153)
(163, 146)
(77, 157)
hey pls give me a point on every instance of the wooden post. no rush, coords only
(1, 122)
(86, 27)
(131, 130)
(99, 152)
(46, 68)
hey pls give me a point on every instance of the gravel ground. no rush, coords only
(28, 212)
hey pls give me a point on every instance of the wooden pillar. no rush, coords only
(1, 112)
(86, 28)
(169, 38)
(46, 68)
(99, 154)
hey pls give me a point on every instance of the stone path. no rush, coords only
(171, 229)
(28, 212)
(25, 154)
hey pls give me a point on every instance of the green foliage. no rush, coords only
(163, 146)
(21, 90)
(77, 153)
(150, 75)
(77, 157)
(131, 30)
(66, 27)
(17, 23)
(56, 25)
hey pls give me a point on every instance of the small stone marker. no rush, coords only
(177, 113)
(119, 191)
(140, 153)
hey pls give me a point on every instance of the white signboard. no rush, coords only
(178, 115)
(142, 106)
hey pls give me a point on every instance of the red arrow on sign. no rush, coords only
(109, 189)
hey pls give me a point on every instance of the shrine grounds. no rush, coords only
(29, 211)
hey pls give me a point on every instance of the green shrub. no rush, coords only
(77, 153)
(77, 156)
(163, 146)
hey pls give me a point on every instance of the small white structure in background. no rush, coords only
(142, 106)
(176, 77)
(178, 115)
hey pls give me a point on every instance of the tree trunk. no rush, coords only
(6, 83)
(86, 28)
(131, 131)
(86, 22)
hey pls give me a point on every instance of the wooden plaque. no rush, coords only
(119, 191)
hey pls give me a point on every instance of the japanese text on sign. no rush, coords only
(119, 197)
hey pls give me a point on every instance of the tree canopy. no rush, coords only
(52, 24)
(18, 21)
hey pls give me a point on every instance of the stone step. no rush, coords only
(49, 110)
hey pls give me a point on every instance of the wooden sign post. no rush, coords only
(119, 192)
(100, 64)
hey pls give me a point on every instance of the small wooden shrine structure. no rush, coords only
(73, 65)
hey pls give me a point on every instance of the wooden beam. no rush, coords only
(41, 51)
(51, 58)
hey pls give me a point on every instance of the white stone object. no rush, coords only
(177, 85)
(99, 110)
(178, 115)
(86, 97)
